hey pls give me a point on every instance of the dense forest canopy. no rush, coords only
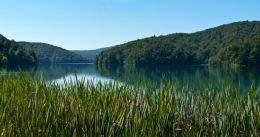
(12, 53)
(47, 53)
(235, 43)
(246, 52)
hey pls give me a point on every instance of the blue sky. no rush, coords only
(91, 24)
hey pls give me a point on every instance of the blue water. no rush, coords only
(192, 76)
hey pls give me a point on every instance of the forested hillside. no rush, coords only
(13, 54)
(246, 52)
(235, 43)
(47, 53)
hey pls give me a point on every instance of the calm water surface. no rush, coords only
(190, 76)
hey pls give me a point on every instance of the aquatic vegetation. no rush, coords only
(31, 107)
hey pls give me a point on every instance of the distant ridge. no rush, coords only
(47, 53)
(90, 54)
(236, 43)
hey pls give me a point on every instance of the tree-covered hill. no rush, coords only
(246, 52)
(47, 53)
(13, 54)
(235, 43)
(89, 54)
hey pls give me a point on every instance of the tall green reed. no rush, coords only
(29, 106)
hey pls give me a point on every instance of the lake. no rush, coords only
(190, 76)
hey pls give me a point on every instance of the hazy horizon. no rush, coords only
(86, 24)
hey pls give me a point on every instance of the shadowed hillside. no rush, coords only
(47, 53)
(13, 54)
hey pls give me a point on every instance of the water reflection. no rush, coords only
(59, 72)
(192, 76)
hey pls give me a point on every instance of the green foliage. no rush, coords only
(51, 54)
(3, 60)
(243, 53)
(13, 54)
(32, 107)
(194, 48)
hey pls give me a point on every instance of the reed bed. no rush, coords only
(31, 107)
